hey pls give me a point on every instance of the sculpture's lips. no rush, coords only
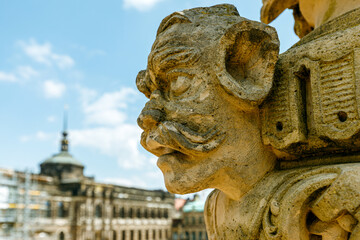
(178, 137)
(164, 151)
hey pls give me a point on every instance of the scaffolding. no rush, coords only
(20, 203)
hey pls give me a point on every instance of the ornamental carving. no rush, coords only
(277, 136)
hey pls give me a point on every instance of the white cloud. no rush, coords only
(109, 132)
(135, 181)
(26, 72)
(21, 73)
(107, 109)
(40, 135)
(152, 179)
(121, 142)
(141, 5)
(63, 61)
(51, 119)
(43, 53)
(7, 77)
(24, 138)
(86, 95)
(107, 117)
(53, 89)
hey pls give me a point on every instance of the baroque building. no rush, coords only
(60, 203)
(188, 222)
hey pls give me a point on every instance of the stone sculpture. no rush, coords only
(276, 136)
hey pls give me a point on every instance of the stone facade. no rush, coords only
(189, 223)
(61, 203)
(81, 211)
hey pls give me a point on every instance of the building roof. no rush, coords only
(179, 203)
(63, 158)
(197, 205)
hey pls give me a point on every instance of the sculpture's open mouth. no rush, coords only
(170, 137)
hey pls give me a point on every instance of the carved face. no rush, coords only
(179, 121)
(192, 122)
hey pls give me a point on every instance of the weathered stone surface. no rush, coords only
(208, 71)
(291, 204)
(278, 142)
(314, 106)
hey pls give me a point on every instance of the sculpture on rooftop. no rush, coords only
(225, 111)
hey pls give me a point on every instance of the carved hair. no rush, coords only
(246, 51)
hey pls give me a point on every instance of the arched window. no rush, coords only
(175, 236)
(114, 215)
(132, 235)
(147, 235)
(139, 235)
(138, 213)
(152, 213)
(130, 213)
(146, 213)
(122, 212)
(159, 213)
(98, 211)
(48, 209)
(61, 210)
(186, 220)
(166, 213)
(114, 235)
(123, 235)
(187, 236)
(193, 235)
(62, 236)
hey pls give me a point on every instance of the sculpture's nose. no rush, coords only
(152, 114)
(149, 118)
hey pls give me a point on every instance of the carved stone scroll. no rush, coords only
(314, 104)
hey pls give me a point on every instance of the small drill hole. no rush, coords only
(342, 116)
(279, 126)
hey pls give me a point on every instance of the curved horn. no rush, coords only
(249, 51)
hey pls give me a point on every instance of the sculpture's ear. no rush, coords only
(249, 51)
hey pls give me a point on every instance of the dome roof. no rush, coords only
(63, 158)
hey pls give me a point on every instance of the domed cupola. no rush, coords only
(63, 165)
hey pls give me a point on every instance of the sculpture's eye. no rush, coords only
(179, 85)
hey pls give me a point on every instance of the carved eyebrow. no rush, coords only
(177, 17)
(167, 58)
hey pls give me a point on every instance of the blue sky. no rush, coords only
(86, 54)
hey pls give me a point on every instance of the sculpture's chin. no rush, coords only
(177, 174)
(172, 161)
(180, 186)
